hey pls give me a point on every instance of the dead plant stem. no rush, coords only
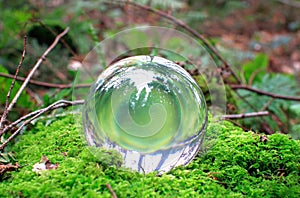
(35, 67)
(6, 109)
(36, 114)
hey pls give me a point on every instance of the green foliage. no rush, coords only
(7, 157)
(273, 83)
(12, 22)
(239, 165)
(255, 73)
(64, 94)
(219, 8)
(166, 4)
(194, 16)
(254, 70)
(23, 101)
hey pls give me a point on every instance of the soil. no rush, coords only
(268, 27)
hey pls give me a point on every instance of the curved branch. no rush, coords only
(260, 92)
(35, 67)
(189, 29)
(36, 114)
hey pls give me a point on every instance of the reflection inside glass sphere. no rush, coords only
(150, 110)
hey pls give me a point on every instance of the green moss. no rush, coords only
(239, 164)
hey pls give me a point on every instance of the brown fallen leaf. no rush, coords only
(45, 164)
(8, 167)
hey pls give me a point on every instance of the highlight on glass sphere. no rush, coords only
(150, 110)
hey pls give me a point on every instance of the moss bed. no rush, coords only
(240, 164)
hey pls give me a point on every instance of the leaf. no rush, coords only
(295, 110)
(7, 157)
(295, 132)
(62, 94)
(172, 4)
(273, 83)
(45, 164)
(259, 65)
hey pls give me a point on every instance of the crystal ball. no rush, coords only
(150, 110)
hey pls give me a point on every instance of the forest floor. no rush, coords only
(240, 164)
(232, 163)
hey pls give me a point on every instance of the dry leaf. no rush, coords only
(45, 164)
(8, 167)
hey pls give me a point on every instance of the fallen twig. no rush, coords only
(33, 115)
(260, 92)
(35, 67)
(245, 115)
(45, 84)
(8, 167)
(113, 194)
(6, 109)
(55, 34)
(189, 29)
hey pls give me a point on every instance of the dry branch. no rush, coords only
(260, 92)
(113, 194)
(189, 29)
(8, 167)
(6, 109)
(245, 115)
(35, 67)
(36, 114)
(55, 34)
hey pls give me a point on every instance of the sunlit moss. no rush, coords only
(240, 164)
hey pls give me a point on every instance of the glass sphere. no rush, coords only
(150, 110)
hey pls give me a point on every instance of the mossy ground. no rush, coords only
(240, 164)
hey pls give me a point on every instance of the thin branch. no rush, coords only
(261, 119)
(15, 123)
(55, 34)
(260, 92)
(189, 29)
(35, 114)
(245, 115)
(267, 104)
(36, 66)
(45, 84)
(113, 194)
(6, 109)
(236, 123)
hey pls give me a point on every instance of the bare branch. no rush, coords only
(189, 29)
(113, 194)
(27, 116)
(260, 92)
(35, 114)
(245, 115)
(8, 167)
(55, 34)
(6, 109)
(35, 67)
(45, 84)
